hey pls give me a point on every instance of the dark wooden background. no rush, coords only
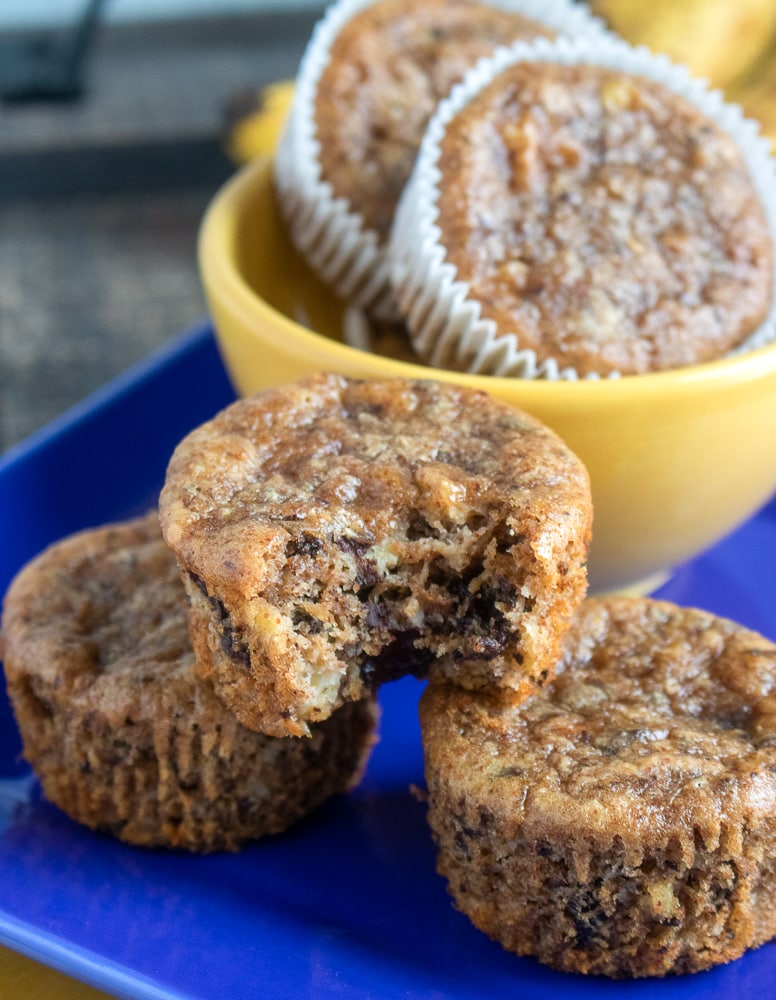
(101, 199)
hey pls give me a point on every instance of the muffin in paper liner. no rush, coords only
(329, 231)
(447, 323)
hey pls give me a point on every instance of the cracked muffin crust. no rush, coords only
(390, 65)
(334, 534)
(622, 821)
(123, 735)
(597, 220)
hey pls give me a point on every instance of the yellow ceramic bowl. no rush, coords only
(676, 459)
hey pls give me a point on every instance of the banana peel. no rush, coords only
(719, 40)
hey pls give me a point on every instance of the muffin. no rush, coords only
(621, 821)
(334, 534)
(585, 210)
(368, 84)
(123, 735)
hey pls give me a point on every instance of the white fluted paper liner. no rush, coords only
(327, 231)
(443, 317)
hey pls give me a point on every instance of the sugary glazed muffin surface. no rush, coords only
(389, 67)
(123, 735)
(623, 820)
(603, 220)
(334, 534)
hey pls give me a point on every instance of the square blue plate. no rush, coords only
(347, 904)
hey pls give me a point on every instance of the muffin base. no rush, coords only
(663, 916)
(622, 822)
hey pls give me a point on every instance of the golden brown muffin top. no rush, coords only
(390, 65)
(100, 619)
(658, 728)
(359, 463)
(603, 220)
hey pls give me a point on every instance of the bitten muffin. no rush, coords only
(622, 821)
(123, 735)
(594, 218)
(336, 533)
(369, 82)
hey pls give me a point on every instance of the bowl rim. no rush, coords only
(223, 280)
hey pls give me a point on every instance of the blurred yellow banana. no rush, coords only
(256, 131)
(717, 39)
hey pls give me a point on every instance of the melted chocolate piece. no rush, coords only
(232, 641)
(396, 660)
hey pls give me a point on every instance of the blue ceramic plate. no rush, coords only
(346, 905)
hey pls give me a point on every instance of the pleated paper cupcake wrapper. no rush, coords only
(444, 318)
(326, 230)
